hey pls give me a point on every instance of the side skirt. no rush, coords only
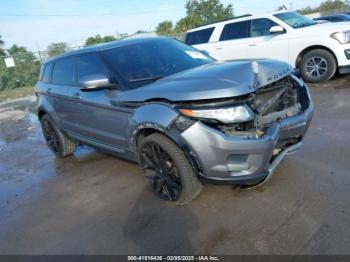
(112, 150)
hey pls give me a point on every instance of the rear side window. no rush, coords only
(261, 27)
(63, 72)
(236, 30)
(89, 64)
(199, 37)
(47, 73)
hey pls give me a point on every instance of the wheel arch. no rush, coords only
(173, 136)
(41, 113)
(310, 48)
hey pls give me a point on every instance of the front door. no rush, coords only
(264, 44)
(97, 118)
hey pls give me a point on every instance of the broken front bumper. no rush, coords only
(236, 160)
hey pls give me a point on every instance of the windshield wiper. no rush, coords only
(152, 78)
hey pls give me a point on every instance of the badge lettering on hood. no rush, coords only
(273, 76)
(264, 75)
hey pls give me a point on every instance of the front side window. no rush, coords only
(261, 27)
(199, 37)
(294, 19)
(47, 73)
(236, 30)
(141, 63)
(89, 64)
(63, 71)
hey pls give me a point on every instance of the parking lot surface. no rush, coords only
(93, 203)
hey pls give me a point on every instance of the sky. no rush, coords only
(37, 23)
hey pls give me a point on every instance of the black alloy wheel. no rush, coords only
(160, 171)
(51, 136)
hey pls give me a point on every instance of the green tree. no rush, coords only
(93, 40)
(57, 48)
(208, 11)
(331, 5)
(141, 31)
(327, 7)
(165, 28)
(186, 23)
(25, 72)
(198, 12)
(282, 8)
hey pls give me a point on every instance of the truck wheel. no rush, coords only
(167, 170)
(317, 65)
(59, 144)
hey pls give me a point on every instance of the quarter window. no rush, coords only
(63, 72)
(199, 37)
(47, 73)
(89, 64)
(261, 27)
(235, 30)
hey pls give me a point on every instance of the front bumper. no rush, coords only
(235, 160)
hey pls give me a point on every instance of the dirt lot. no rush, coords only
(92, 203)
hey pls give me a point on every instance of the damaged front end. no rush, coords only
(247, 151)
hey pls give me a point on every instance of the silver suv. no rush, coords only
(184, 117)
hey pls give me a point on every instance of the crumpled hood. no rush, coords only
(211, 81)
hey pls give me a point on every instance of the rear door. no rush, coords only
(65, 93)
(233, 41)
(263, 44)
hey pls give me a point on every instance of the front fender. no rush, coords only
(156, 116)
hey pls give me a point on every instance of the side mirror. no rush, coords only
(95, 82)
(277, 29)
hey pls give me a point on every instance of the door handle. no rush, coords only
(76, 96)
(251, 44)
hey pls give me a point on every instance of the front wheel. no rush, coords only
(317, 65)
(167, 170)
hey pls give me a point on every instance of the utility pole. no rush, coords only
(39, 53)
(291, 5)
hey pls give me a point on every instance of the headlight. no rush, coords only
(226, 115)
(342, 37)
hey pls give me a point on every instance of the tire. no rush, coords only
(167, 169)
(317, 65)
(58, 143)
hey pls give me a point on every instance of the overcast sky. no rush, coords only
(37, 23)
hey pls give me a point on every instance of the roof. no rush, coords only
(104, 46)
(223, 20)
(236, 18)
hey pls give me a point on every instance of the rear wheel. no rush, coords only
(59, 144)
(167, 170)
(317, 65)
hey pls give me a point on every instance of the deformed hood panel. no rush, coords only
(211, 81)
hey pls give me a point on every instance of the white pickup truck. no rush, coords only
(317, 50)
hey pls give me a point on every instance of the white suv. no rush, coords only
(317, 50)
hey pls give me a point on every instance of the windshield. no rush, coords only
(295, 20)
(149, 60)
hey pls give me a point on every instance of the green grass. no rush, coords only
(20, 92)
